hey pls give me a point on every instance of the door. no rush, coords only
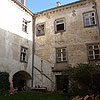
(62, 83)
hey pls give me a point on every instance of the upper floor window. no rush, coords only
(23, 54)
(61, 54)
(25, 26)
(89, 19)
(40, 29)
(60, 25)
(94, 51)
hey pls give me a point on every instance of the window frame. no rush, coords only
(37, 29)
(61, 53)
(25, 26)
(93, 50)
(55, 25)
(90, 25)
(21, 52)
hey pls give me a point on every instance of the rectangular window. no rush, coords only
(89, 19)
(40, 29)
(61, 54)
(59, 25)
(25, 26)
(94, 52)
(23, 55)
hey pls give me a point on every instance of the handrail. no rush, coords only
(44, 74)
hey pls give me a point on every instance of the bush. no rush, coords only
(84, 79)
(4, 82)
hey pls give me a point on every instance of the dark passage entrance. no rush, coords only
(20, 80)
(62, 83)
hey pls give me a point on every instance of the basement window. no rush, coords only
(93, 51)
(59, 25)
(24, 25)
(89, 19)
(23, 55)
(61, 55)
(40, 29)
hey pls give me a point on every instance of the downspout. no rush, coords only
(97, 17)
(33, 46)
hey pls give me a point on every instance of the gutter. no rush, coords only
(33, 45)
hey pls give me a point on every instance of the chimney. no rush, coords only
(23, 2)
(58, 4)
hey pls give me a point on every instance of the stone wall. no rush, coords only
(74, 38)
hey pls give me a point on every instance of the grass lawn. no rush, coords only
(34, 96)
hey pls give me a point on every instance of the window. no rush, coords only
(59, 25)
(23, 55)
(61, 54)
(94, 52)
(24, 26)
(89, 19)
(40, 29)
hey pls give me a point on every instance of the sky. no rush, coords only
(41, 5)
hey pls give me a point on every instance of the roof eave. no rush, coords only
(24, 8)
(62, 6)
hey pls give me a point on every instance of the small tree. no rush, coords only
(84, 79)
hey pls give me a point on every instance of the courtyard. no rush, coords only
(34, 96)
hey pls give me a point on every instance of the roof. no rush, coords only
(23, 7)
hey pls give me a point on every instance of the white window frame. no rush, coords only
(58, 22)
(61, 54)
(24, 54)
(87, 17)
(92, 48)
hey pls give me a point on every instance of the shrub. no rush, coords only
(84, 79)
(4, 82)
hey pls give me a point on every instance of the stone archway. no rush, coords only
(21, 79)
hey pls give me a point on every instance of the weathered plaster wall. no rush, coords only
(74, 38)
(98, 9)
(45, 67)
(10, 46)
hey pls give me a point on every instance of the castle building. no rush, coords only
(16, 22)
(68, 35)
(37, 47)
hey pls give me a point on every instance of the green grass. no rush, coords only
(34, 96)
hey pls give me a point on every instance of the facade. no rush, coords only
(68, 35)
(16, 42)
(63, 36)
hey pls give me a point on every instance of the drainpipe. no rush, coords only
(97, 17)
(33, 46)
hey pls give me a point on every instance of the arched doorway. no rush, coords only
(20, 80)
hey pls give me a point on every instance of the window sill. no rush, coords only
(90, 26)
(25, 32)
(61, 62)
(59, 31)
(40, 34)
(23, 61)
(94, 60)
